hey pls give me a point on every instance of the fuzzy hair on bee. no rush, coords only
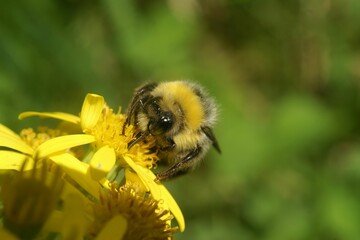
(179, 115)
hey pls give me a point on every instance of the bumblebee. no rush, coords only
(180, 116)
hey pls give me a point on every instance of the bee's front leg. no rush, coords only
(180, 167)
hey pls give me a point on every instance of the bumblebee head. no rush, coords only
(161, 123)
(155, 117)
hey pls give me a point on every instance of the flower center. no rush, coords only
(34, 139)
(109, 131)
(146, 219)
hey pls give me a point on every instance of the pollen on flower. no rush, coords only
(146, 219)
(34, 139)
(109, 131)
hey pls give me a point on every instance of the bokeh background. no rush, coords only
(285, 74)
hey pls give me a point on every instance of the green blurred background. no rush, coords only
(285, 74)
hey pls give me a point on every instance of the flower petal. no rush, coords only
(69, 188)
(105, 183)
(114, 229)
(158, 191)
(62, 143)
(52, 223)
(10, 140)
(78, 171)
(4, 234)
(134, 181)
(91, 110)
(10, 160)
(4, 129)
(57, 115)
(74, 222)
(102, 162)
(173, 206)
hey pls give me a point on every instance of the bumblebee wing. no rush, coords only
(209, 133)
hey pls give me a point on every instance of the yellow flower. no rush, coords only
(72, 220)
(34, 146)
(145, 219)
(31, 205)
(29, 198)
(98, 121)
(158, 191)
(114, 229)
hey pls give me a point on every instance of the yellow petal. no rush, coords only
(114, 229)
(10, 140)
(58, 144)
(4, 234)
(4, 129)
(105, 183)
(71, 189)
(57, 115)
(173, 206)
(78, 171)
(133, 181)
(74, 223)
(52, 224)
(10, 160)
(91, 111)
(158, 191)
(102, 162)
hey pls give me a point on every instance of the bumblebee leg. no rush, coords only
(171, 145)
(180, 167)
(133, 107)
(137, 139)
(137, 101)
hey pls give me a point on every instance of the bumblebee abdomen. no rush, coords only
(185, 140)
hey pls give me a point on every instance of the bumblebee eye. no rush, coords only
(166, 121)
(162, 124)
